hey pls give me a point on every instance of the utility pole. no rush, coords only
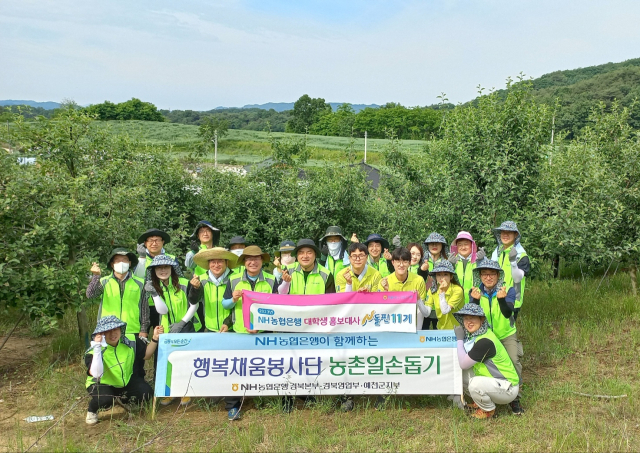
(365, 147)
(215, 148)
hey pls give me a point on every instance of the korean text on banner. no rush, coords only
(357, 312)
(213, 364)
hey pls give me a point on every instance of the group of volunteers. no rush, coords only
(459, 287)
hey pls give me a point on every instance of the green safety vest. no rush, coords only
(380, 266)
(198, 270)
(177, 305)
(505, 264)
(500, 366)
(501, 326)
(334, 266)
(125, 307)
(214, 312)
(146, 265)
(117, 363)
(465, 275)
(316, 280)
(414, 268)
(264, 284)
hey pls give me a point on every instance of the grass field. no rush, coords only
(241, 146)
(576, 340)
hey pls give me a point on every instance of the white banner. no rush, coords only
(292, 364)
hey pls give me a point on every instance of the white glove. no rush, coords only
(444, 306)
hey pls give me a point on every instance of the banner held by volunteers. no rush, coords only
(357, 312)
(227, 364)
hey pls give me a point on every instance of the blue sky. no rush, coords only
(203, 54)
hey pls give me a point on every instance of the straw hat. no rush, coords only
(216, 253)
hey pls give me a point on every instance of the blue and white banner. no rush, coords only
(230, 364)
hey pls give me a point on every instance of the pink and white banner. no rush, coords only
(356, 312)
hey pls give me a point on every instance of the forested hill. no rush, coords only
(578, 90)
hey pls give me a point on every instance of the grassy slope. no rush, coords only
(241, 146)
(575, 340)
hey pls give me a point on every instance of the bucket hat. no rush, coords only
(377, 238)
(215, 232)
(468, 309)
(154, 232)
(487, 264)
(253, 250)
(509, 225)
(237, 240)
(163, 260)
(109, 323)
(302, 243)
(332, 231)
(123, 252)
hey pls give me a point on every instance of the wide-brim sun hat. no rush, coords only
(215, 232)
(163, 260)
(122, 252)
(253, 250)
(203, 257)
(435, 237)
(154, 232)
(465, 235)
(109, 323)
(332, 231)
(302, 243)
(468, 309)
(285, 246)
(377, 238)
(487, 264)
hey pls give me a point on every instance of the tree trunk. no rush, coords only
(634, 282)
(83, 328)
(556, 266)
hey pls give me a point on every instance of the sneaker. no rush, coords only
(185, 400)
(234, 414)
(516, 407)
(479, 413)
(380, 404)
(166, 401)
(347, 405)
(92, 418)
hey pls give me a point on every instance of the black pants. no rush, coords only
(430, 324)
(231, 402)
(136, 391)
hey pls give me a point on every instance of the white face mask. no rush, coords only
(121, 268)
(237, 252)
(287, 259)
(334, 248)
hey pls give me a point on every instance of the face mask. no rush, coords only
(121, 268)
(237, 252)
(334, 248)
(287, 259)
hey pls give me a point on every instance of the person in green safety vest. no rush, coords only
(151, 244)
(379, 256)
(121, 293)
(284, 259)
(489, 376)
(111, 360)
(498, 301)
(211, 286)
(205, 236)
(513, 259)
(435, 248)
(253, 278)
(333, 248)
(164, 283)
(308, 277)
(464, 255)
